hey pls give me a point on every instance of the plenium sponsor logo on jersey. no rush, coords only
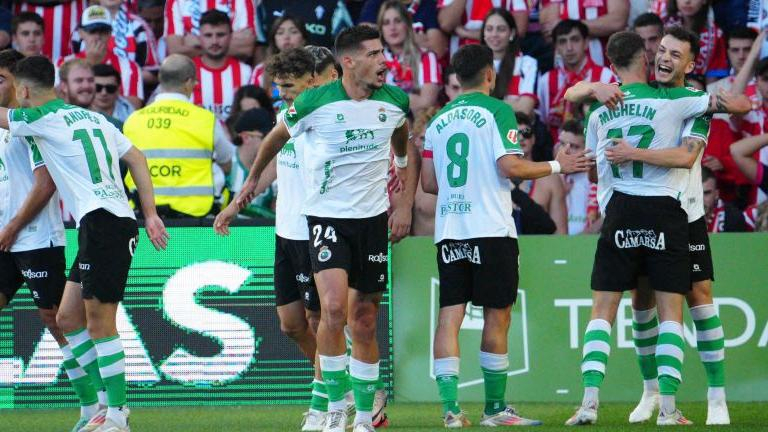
(287, 156)
(626, 239)
(456, 204)
(358, 140)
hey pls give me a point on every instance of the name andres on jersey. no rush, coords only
(75, 116)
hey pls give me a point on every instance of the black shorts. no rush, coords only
(699, 251)
(293, 274)
(358, 246)
(42, 270)
(481, 270)
(642, 235)
(106, 244)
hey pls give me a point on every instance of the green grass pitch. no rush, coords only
(403, 416)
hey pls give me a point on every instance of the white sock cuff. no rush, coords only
(643, 316)
(671, 327)
(78, 338)
(334, 363)
(494, 362)
(363, 371)
(447, 366)
(110, 347)
(599, 324)
(703, 312)
(66, 351)
(317, 381)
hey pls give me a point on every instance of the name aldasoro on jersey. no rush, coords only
(469, 113)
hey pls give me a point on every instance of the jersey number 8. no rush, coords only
(458, 150)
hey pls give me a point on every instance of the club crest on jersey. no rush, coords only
(382, 115)
(512, 136)
(324, 254)
(339, 118)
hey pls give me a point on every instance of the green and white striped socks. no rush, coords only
(85, 352)
(319, 401)
(447, 378)
(645, 333)
(112, 370)
(669, 358)
(334, 370)
(597, 348)
(81, 383)
(710, 341)
(364, 377)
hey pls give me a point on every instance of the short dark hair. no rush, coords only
(9, 58)
(742, 32)
(566, 26)
(523, 118)
(469, 62)
(295, 62)
(38, 70)
(623, 47)
(24, 17)
(215, 17)
(648, 19)
(707, 174)
(351, 38)
(105, 70)
(762, 67)
(323, 58)
(681, 34)
(297, 21)
(573, 126)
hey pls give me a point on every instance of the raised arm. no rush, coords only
(449, 17)
(42, 191)
(729, 102)
(742, 152)
(747, 71)
(586, 92)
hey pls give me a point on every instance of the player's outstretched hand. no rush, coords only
(621, 152)
(247, 193)
(224, 218)
(399, 223)
(571, 163)
(156, 232)
(608, 94)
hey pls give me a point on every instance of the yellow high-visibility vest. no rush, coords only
(177, 139)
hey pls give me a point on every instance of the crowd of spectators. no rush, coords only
(109, 55)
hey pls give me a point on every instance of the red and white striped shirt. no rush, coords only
(257, 77)
(183, 16)
(475, 12)
(523, 82)
(61, 21)
(401, 74)
(130, 34)
(132, 83)
(216, 89)
(581, 10)
(553, 108)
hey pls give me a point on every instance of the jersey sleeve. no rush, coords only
(506, 125)
(697, 127)
(35, 158)
(293, 119)
(24, 122)
(689, 102)
(429, 146)
(590, 131)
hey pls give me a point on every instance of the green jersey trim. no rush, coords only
(37, 158)
(30, 115)
(393, 95)
(700, 127)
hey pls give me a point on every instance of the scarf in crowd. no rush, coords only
(561, 110)
(402, 73)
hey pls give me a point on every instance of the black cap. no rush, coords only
(255, 119)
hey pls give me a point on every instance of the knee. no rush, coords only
(334, 315)
(294, 328)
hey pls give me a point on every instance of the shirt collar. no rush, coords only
(171, 96)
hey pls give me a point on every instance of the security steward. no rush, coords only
(181, 142)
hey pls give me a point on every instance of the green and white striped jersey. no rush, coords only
(81, 150)
(347, 153)
(18, 161)
(466, 138)
(649, 118)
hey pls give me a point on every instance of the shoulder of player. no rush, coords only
(495, 107)
(318, 97)
(394, 95)
(679, 93)
(33, 114)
